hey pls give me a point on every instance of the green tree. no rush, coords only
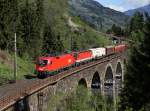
(135, 93)
(53, 32)
(137, 22)
(116, 30)
(39, 27)
(75, 46)
(49, 42)
(8, 22)
(31, 28)
(59, 46)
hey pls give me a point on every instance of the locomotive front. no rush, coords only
(48, 66)
(42, 66)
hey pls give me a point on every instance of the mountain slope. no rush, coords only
(141, 9)
(97, 15)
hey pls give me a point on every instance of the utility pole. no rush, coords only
(71, 43)
(15, 58)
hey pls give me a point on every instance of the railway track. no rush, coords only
(9, 94)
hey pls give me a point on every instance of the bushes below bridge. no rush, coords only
(84, 100)
(80, 100)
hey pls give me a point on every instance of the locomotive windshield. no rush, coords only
(42, 63)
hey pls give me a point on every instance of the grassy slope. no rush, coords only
(86, 37)
(6, 67)
(90, 37)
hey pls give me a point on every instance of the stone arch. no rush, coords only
(96, 83)
(82, 82)
(21, 105)
(108, 82)
(108, 72)
(118, 77)
(119, 70)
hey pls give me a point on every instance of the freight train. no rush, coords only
(51, 65)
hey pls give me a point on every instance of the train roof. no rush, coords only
(46, 58)
(97, 48)
(110, 46)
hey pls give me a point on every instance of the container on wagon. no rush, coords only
(110, 50)
(98, 52)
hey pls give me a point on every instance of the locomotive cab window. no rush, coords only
(42, 63)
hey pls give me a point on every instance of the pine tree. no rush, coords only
(25, 26)
(116, 30)
(39, 23)
(59, 45)
(8, 22)
(136, 93)
(31, 27)
(49, 40)
(75, 46)
(136, 22)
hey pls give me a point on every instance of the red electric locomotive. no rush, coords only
(46, 66)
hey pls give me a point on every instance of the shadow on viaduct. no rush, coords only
(106, 78)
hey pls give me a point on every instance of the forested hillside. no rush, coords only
(43, 26)
(136, 92)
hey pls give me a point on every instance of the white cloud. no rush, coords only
(115, 7)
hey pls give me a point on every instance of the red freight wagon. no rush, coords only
(120, 48)
(47, 65)
(110, 50)
(84, 56)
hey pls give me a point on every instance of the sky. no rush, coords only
(123, 5)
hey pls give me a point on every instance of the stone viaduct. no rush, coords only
(105, 77)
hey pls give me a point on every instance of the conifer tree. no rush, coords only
(49, 40)
(136, 93)
(37, 28)
(8, 22)
(75, 46)
(59, 45)
(25, 26)
(31, 27)
(136, 22)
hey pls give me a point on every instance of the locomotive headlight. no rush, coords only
(48, 62)
(69, 61)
